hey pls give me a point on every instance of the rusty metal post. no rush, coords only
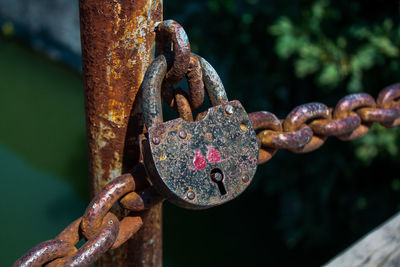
(117, 39)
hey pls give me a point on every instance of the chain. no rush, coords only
(305, 129)
(100, 227)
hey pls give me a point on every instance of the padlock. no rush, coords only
(199, 164)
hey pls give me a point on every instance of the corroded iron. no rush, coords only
(170, 32)
(264, 120)
(212, 81)
(94, 248)
(183, 104)
(117, 41)
(142, 200)
(308, 126)
(286, 140)
(198, 164)
(151, 87)
(101, 228)
(194, 77)
(347, 106)
(389, 98)
(331, 127)
(71, 233)
(173, 43)
(182, 169)
(45, 252)
(297, 119)
(102, 203)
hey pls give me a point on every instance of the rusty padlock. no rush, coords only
(199, 164)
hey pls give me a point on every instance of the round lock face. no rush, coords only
(205, 163)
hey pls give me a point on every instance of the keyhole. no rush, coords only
(217, 177)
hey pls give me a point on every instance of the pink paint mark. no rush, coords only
(199, 161)
(213, 155)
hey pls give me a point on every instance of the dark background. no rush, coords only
(271, 55)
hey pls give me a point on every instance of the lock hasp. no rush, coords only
(205, 163)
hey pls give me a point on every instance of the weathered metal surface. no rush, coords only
(151, 90)
(171, 32)
(173, 43)
(346, 106)
(143, 200)
(133, 202)
(308, 126)
(183, 104)
(127, 227)
(185, 162)
(200, 75)
(197, 164)
(71, 234)
(102, 203)
(99, 226)
(212, 82)
(378, 115)
(194, 77)
(45, 252)
(297, 119)
(264, 120)
(389, 98)
(336, 127)
(94, 248)
(117, 39)
(148, 240)
(296, 139)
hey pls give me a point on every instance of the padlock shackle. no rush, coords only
(212, 82)
(151, 88)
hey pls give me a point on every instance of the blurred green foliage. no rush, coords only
(336, 55)
(272, 55)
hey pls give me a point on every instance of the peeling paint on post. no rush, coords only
(117, 39)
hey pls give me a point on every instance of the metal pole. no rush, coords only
(117, 38)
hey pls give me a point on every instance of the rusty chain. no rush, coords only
(101, 229)
(305, 129)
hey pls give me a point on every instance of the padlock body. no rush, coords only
(182, 157)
